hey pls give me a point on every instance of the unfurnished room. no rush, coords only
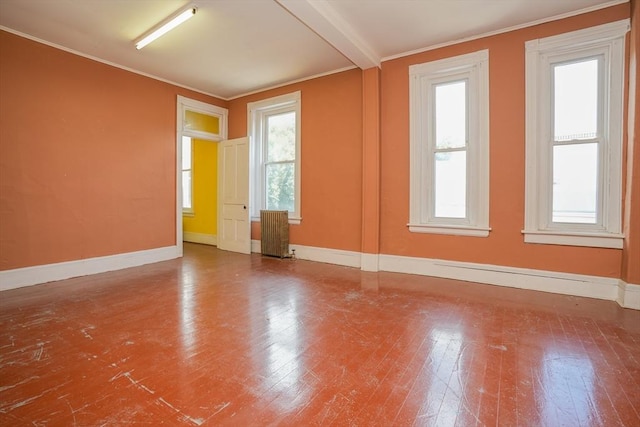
(320, 213)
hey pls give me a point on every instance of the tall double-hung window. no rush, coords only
(449, 169)
(574, 99)
(274, 126)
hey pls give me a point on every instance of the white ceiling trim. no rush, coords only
(320, 17)
(291, 82)
(102, 61)
(151, 76)
(334, 37)
(506, 30)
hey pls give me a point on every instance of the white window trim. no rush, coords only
(474, 67)
(255, 114)
(186, 104)
(190, 212)
(191, 104)
(606, 40)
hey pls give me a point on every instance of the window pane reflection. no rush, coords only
(562, 371)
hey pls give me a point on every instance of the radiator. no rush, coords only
(274, 229)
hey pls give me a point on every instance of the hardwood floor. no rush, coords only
(218, 338)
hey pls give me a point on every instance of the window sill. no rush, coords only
(188, 213)
(455, 230)
(594, 240)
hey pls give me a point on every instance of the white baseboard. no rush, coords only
(606, 288)
(326, 255)
(539, 280)
(628, 295)
(205, 239)
(20, 277)
(370, 262)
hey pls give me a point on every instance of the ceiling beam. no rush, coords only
(328, 24)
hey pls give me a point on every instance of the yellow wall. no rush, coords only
(205, 183)
(201, 122)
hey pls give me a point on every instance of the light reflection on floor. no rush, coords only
(226, 339)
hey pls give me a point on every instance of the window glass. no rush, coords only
(575, 165)
(187, 198)
(280, 186)
(201, 122)
(451, 114)
(186, 152)
(186, 190)
(451, 188)
(575, 183)
(281, 137)
(575, 94)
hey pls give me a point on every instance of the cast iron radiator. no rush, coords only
(274, 228)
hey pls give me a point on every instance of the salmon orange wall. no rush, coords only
(505, 245)
(205, 189)
(631, 257)
(331, 159)
(87, 157)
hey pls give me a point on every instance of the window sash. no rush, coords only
(434, 151)
(599, 208)
(601, 94)
(259, 114)
(267, 133)
(266, 182)
(434, 206)
(550, 61)
(429, 207)
(187, 207)
(606, 44)
(600, 91)
(264, 152)
(424, 79)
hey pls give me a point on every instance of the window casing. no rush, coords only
(449, 147)
(574, 104)
(187, 175)
(274, 129)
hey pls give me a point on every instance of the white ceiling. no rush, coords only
(234, 47)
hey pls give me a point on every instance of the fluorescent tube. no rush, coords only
(170, 25)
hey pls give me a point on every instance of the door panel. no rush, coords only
(234, 229)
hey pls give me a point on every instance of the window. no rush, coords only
(187, 175)
(449, 120)
(574, 137)
(274, 126)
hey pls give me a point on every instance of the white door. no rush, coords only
(234, 224)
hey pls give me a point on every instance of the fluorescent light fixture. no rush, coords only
(167, 26)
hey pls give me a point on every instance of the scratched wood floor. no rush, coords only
(218, 338)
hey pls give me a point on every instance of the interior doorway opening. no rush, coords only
(200, 126)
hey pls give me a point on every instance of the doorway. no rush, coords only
(200, 127)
